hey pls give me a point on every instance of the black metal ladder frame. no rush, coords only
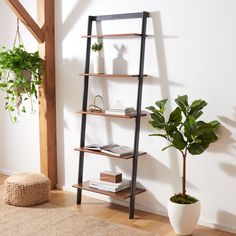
(144, 15)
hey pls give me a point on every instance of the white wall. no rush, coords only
(192, 52)
(19, 145)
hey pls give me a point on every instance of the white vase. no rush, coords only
(183, 217)
(98, 63)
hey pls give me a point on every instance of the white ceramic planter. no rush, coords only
(98, 63)
(183, 217)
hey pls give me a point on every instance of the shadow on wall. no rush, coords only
(226, 142)
(164, 84)
(69, 88)
(229, 169)
(227, 219)
(120, 65)
(158, 171)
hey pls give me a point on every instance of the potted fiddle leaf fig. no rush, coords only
(98, 60)
(20, 74)
(187, 133)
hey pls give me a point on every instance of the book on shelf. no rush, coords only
(128, 111)
(108, 186)
(98, 147)
(112, 149)
(118, 151)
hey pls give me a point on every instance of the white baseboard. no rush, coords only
(147, 209)
(7, 172)
(217, 226)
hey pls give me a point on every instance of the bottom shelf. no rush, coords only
(124, 194)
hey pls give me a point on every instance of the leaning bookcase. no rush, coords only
(133, 190)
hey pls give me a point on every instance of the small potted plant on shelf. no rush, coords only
(98, 60)
(185, 132)
(20, 74)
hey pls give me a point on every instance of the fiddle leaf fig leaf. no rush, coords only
(203, 128)
(182, 102)
(175, 117)
(151, 108)
(197, 105)
(163, 149)
(215, 124)
(178, 140)
(158, 120)
(196, 148)
(162, 105)
(160, 135)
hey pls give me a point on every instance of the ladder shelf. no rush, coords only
(81, 185)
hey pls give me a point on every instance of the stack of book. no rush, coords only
(110, 181)
(126, 111)
(111, 149)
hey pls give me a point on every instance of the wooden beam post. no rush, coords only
(47, 98)
(45, 35)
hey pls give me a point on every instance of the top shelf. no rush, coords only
(109, 75)
(112, 35)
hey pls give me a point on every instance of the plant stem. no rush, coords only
(184, 172)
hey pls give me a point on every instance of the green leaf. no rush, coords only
(207, 138)
(197, 105)
(170, 128)
(197, 114)
(158, 117)
(178, 140)
(151, 108)
(196, 148)
(215, 124)
(160, 135)
(182, 102)
(189, 127)
(203, 128)
(163, 149)
(162, 105)
(175, 116)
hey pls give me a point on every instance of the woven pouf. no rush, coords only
(27, 189)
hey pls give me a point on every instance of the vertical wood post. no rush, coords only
(47, 99)
(45, 35)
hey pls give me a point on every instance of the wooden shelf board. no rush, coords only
(105, 154)
(124, 194)
(111, 35)
(109, 75)
(109, 115)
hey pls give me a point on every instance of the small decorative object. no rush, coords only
(95, 107)
(98, 60)
(20, 74)
(110, 176)
(187, 134)
(27, 189)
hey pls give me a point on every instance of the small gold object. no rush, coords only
(94, 107)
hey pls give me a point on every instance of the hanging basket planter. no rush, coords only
(20, 74)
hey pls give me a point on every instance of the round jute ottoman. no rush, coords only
(27, 189)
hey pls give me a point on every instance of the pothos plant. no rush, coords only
(20, 74)
(185, 132)
(96, 47)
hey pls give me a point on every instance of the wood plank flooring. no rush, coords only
(118, 214)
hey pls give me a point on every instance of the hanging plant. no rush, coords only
(20, 74)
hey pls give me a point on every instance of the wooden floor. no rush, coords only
(118, 214)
